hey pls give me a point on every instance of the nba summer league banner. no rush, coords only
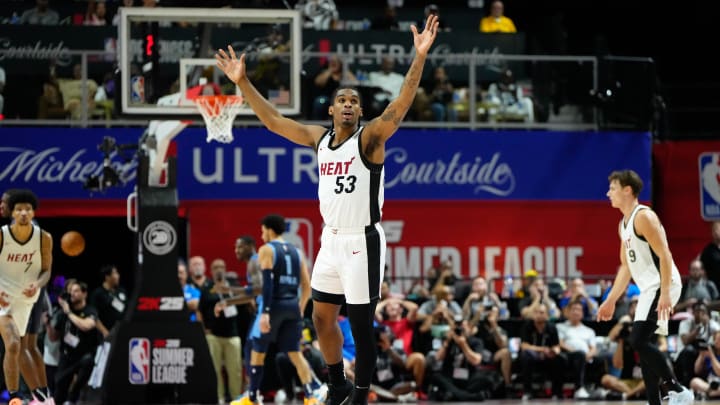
(419, 165)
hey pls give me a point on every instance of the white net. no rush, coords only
(219, 113)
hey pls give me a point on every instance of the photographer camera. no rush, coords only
(625, 376)
(459, 378)
(695, 333)
(707, 369)
(391, 380)
(495, 342)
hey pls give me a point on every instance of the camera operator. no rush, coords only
(390, 369)
(629, 384)
(707, 370)
(695, 333)
(628, 381)
(458, 378)
(479, 299)
(495, 342)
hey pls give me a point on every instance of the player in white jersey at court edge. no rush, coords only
(645, 257)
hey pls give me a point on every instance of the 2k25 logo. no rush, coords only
(160, 303)
(139, 361)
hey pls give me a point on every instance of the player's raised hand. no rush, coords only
(423, 41)
(233, 66)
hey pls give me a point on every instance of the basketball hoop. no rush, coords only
(219, 111)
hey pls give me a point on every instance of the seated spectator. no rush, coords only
(578, 344)
(528, 278)
(707, 370)
(539, 294)
(629, 383)
(388, 80)
(436, 96)
(387, 21)
(72, 92)
(96, 13)
(505, 101)
(540, 350)
(576, 292)
(496, 21)
(694, 333)
(326, 82)
(710, 255)
(441, 274)
(50, 103)
(458, 378)
(697, 288)
(41, 14)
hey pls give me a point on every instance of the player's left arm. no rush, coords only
(46, 255)
(45, 265)
(647, 224)
(383, 127)
(265, 258)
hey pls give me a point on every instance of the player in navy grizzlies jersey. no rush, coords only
(645, 257)
(351, 261)
(279, 318)
(25, 262)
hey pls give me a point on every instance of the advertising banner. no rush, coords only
(420, 164)
(689, 195)
(491, 238)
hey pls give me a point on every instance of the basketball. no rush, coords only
(72, 243)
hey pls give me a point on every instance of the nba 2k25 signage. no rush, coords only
(420, 164)
(164, 361)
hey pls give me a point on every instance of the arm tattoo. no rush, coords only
(391, 115)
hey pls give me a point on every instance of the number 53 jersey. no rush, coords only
(350, 189)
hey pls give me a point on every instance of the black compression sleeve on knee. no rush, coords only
(361, 322)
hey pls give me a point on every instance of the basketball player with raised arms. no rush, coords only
(645, 257)
(25, 262)
(349, 267)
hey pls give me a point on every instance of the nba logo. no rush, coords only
(709, 165)
(139, 361)
(137, 89)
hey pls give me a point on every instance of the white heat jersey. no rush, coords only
(351, 189)
(643, 263)
(20, 263)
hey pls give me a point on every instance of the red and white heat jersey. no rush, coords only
(20, 263)
(351, 189)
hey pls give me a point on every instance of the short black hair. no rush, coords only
(275, 222)
(22, 196)
(106, 270)
(248, 240)
(353, 88)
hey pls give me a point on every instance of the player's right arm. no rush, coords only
(606, 310)
(234, 68)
